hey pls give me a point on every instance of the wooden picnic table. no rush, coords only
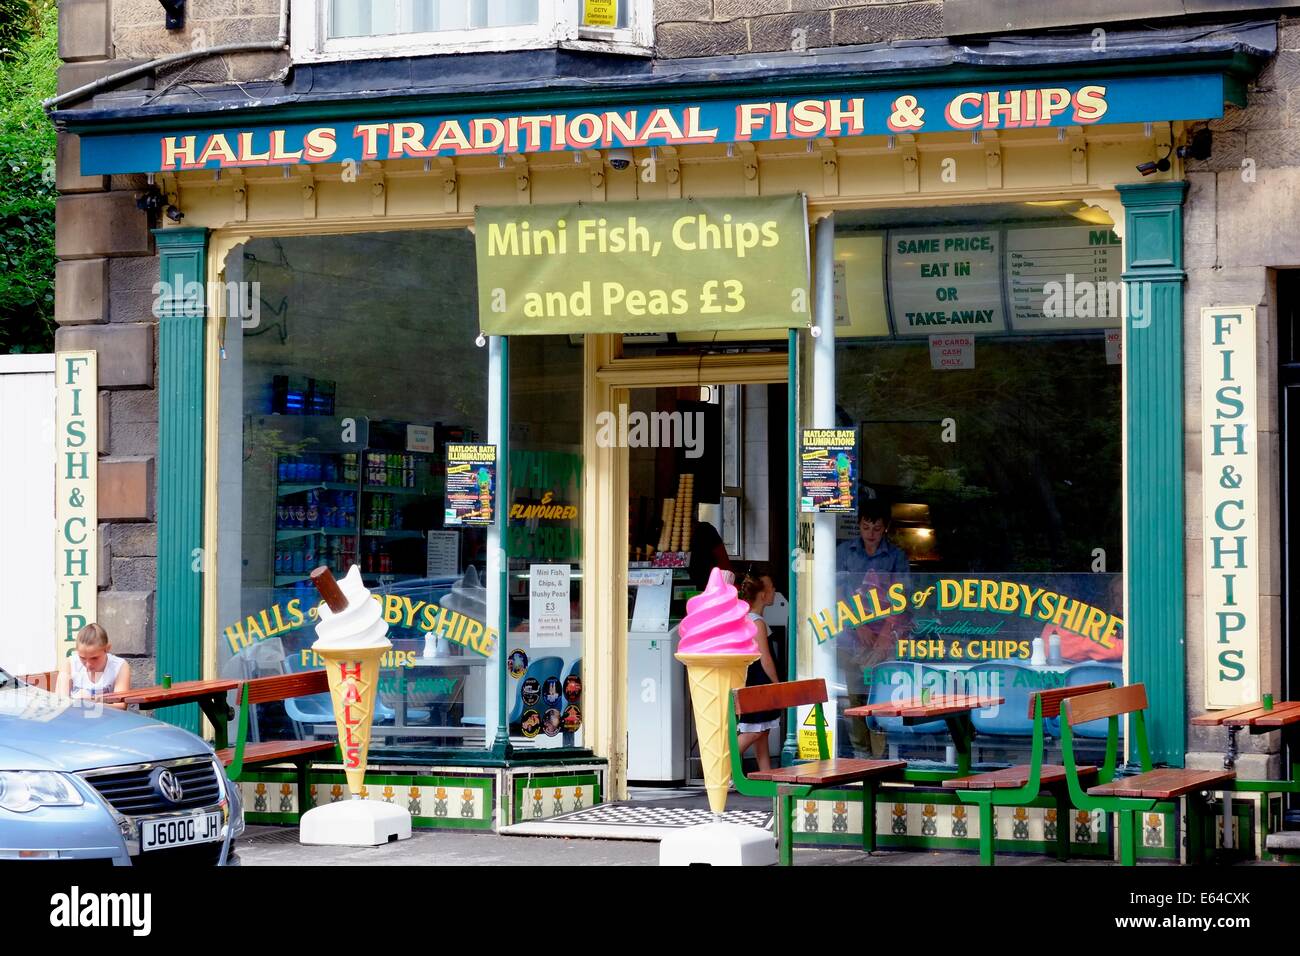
(210, 695)
(1254, 716)
(1284, 716)
(953, 709)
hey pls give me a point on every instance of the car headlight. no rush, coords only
(24, 790)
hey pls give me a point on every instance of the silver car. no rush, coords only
(81, 781)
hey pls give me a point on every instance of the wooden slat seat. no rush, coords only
(262, 690)
(795, 693)
(1012, 778)
(837, 770)
(1166, 783)
(272, 751)
(787, 785)
(301, 753)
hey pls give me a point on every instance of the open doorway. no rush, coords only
(707, 487)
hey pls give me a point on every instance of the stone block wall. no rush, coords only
(1238, 230)
(685, 28)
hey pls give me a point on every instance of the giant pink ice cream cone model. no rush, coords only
(351, 636)
(717, 646)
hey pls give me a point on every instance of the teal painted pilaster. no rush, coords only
(180, 461)
(1153, 359)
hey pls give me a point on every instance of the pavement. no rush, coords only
(278, 846)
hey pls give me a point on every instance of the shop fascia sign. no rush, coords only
(1067, 102)
(76, 495)
(1230, 506)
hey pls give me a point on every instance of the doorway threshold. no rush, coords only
(651, 813)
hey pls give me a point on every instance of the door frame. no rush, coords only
(609, 377)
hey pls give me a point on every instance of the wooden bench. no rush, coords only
(45, 680)
(1024, 783)
(809, 780)
(301, 753)
(1152, 790)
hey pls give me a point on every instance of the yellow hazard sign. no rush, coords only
(808, 736)
(600, 13)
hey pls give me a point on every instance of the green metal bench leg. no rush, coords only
(785, 809)
(987, 833)
(1063, 807)
(1127, 849)
(1262, 846)
(304, 768)
(868, 816)
(1195, 814)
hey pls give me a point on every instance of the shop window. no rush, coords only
(337, 403)
(337, 29)
(546, 699)
(977, 358)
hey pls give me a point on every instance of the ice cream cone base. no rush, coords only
(354, 823)
(712, 679)
(354, 687)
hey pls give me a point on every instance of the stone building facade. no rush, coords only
(1239, 211)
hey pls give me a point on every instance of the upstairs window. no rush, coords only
(349, 29)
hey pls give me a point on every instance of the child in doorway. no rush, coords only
(92, 671)
(758, 591)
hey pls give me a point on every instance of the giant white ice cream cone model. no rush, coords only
(717, 646)
(352, 637)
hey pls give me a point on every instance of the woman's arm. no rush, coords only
(123, 683)
(765, 652)
(63, 686)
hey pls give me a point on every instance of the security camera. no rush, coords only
(619, 158)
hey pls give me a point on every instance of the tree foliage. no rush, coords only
(28, 74)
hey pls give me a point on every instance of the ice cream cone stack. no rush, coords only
(685, 502)
(666, 533)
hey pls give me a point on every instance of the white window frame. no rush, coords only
(558, 26)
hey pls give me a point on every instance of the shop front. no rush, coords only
(535, 371)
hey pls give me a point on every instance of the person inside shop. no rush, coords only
(757, 590)
(707, 552)
(868, 562)
(871, 550)
(93, 670)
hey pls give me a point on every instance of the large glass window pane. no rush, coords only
(986, 553)
(337, 405)
(545, 696)
(358, 18)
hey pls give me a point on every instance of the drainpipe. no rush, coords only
(280, 43)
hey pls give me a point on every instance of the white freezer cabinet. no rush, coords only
(656, 707)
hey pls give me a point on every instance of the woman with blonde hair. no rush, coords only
(93, 671)
(757, 590)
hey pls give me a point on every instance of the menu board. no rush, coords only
(1064, 277)
(944, 280)
(549, 594)
(471, 485)
(828, 473)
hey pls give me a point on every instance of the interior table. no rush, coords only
(953, 709)
(459, 665)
